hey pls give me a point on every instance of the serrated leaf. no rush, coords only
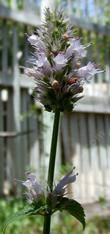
(27, 211)
(74, 208)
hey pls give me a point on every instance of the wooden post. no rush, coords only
(4, 50)
(34, 152)
(11, 150)
(94, 162)
(16, 105)
(23, 138)
(76, 153)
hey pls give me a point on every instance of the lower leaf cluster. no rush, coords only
(53, 204)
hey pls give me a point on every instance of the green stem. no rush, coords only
(47, 219)
(53, 149)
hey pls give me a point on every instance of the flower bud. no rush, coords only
(65, 36)
(78, 64)
(72, 80)
(55, 85)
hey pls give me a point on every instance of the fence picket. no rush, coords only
(16, 104)
(94, 188)
(107, 126)
(1, 149)
(4, 50)
(84, 155)
(76, 154)
(34, 154)
(101, 139)
(11, 167)
(24, 127)
(107, 134)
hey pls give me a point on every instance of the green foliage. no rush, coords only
(71, 206)
(27, 225)
(102, 201)
(20, 214)
(33, 224)
(9, 3)
(26, 211)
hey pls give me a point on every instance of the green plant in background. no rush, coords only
(28, 225)
(57, 65)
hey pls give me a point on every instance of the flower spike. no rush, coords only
(57, 64)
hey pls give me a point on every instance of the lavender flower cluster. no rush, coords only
(35, 192)
(56, 64)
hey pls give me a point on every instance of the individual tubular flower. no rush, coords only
(60, 62)
(56, 64)
(60, 188)
(36, 42)
(85, 73)
(76, 48)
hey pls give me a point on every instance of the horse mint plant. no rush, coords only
(57, 66)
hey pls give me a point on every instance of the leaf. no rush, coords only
(27, 211)
(74, 208)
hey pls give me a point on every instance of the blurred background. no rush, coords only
(25, 130)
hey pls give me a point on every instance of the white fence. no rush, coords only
(86, 143)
